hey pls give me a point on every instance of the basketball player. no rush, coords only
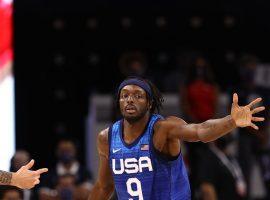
(140, 155)
(24, 178)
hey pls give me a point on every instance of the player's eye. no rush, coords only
(124, 96)
(138, 96)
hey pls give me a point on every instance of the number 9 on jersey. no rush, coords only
(138, 191)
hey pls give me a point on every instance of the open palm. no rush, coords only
(243, 115)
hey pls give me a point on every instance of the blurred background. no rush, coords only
(68, 57)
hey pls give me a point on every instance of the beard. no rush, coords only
(134, 118)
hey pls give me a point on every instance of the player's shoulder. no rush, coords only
(175, 119)
(103, 136)
(169, 121)
(103, 142)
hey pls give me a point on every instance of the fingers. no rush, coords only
(37, 182)
(257, 119)
(29, 165)
(254, 102)
(254, 126)
(235, 98)
(41, 171)
(259, 109)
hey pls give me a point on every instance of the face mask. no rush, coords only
(200, 72)
(248, 74)
(66, 194)
(66, 157)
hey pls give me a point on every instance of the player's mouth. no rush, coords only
(130, 109)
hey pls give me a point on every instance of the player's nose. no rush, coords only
(130, 99)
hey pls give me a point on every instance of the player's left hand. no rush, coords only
(243, 115)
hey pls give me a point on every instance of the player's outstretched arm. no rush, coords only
(24, 178)
(104, 185)
(241, 116)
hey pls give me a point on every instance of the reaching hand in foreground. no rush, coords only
(25, 178)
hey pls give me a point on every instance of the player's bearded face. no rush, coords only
(133, 103)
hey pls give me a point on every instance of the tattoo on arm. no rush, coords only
(5, 177)
(212, 125)
(212, 129)
(208, 125)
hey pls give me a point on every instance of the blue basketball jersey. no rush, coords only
(140, 173)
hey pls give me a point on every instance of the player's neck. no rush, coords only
(134, 129)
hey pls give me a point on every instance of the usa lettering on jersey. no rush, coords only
(131, 165)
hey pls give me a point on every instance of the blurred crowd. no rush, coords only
(68, 179)
(222, 170)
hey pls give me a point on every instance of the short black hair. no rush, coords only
(156, 100)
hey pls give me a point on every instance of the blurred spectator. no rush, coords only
(200, 92)
(199, 103)
(10, 193)
(264, 154)
(67, 172)
(247, 70)
(135, 63)
(19, 159)
(66, 189)
(177, 76)
(220, 174)
(249, 143)
(132, 64)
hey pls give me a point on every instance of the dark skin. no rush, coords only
(168, 133)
